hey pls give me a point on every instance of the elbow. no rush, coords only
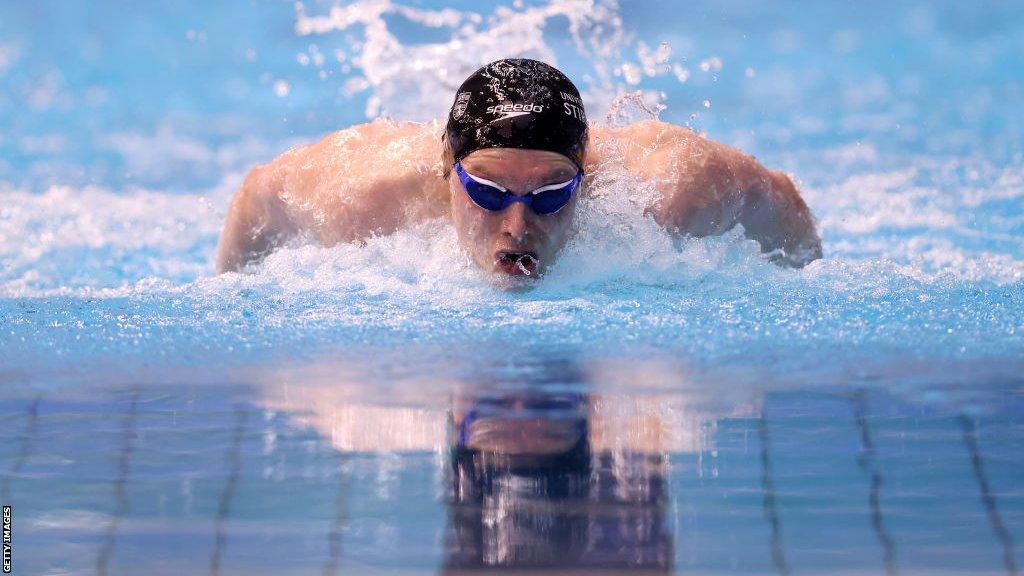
(227, 259)
(254, 223)
(779, 219)
(799, 255)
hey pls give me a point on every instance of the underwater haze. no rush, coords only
(862, 415)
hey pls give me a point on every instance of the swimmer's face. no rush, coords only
(497, 241)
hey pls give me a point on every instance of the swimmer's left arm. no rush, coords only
(708, 188)
(773, 213)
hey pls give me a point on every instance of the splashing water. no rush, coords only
(417, 81)
(861, 414)
(923, 259)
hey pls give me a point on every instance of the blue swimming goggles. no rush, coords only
(544, 200)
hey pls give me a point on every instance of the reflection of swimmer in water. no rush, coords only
(537, 480)
(531, 492)
(513, 158)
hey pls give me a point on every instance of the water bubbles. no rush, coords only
(707, 103)
(311, 56)
(357, 84)
(315, 55)
(663, 53)
(681, 73)
(712, 64)
(633, 107)
(654, 63)
(282, 88)
(631, 74)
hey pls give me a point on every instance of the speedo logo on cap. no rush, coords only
(513, 110)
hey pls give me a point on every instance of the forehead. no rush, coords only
(519, 164)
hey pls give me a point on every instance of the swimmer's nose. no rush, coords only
(514, 221)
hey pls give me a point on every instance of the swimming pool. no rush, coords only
(862, 415)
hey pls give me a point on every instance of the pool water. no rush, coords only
(674, 405)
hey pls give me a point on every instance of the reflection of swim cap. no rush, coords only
(518, 103)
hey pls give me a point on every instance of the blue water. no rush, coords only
(861, 415)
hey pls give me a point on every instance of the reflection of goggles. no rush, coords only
(479, 472)
(545, 406)
(490, 196)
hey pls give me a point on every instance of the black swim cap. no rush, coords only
(518, 103)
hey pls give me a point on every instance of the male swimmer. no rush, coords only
(514, 158)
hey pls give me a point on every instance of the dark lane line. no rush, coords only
(768, 486)
(124, 458)
(988, 499)
(866, 462)
(226, 495)
(340, 514)
(24, 452)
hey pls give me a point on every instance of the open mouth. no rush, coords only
(517, 263)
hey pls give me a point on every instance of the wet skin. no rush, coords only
(515, 241)
(377, 178)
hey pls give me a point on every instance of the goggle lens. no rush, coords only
(490, 197)
(551, 201)
(484, 196)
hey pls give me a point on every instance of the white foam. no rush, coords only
(85, 241)
(865, 203)
(69, 238)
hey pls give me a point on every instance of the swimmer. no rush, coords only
(508, 170)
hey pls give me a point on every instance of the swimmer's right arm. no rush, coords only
(366, 180)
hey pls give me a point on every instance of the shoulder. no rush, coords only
(656, 149)
(382, 141)
(363, 180)
(646, 134)
(357, 160)
(645, 146)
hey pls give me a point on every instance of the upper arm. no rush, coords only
(698, 181)
(707, 188)
(363, 180)
(371, 179)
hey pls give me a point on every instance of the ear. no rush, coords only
(453, 195)
(447, 157)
